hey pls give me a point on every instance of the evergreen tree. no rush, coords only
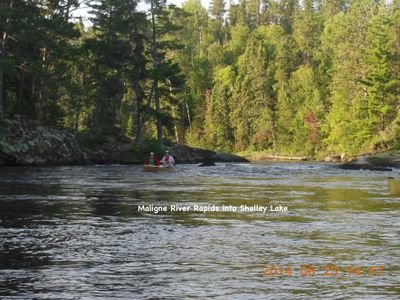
(6, 8)
(284, 13)
(138, 73)
(108, 41)
(304, 113)
(217, 9)
(285, 76)
(379, 79)
(348, 129)
(218, 126)
(254, 13)
(254, 115)
(307, 30)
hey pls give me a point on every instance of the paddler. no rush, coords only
(152, 160)
(167, 160)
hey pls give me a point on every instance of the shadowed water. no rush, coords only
(76, 232)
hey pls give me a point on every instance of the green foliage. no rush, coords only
(348, 118)
(289, 77)
(218, 128)
(300, 127)
(143, 149)
(379, 81)
(254, 112)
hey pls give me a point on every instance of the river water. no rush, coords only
(77, 233)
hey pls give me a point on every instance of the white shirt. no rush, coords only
(168, 163)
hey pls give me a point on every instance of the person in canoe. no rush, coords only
(152, 160)
(167, 160)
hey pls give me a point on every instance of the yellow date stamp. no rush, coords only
(275, 270)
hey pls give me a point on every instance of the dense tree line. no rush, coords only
(292, 77)
(116, 76)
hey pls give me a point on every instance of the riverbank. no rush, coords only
(268, 155)
(380, 161)
(23, 142)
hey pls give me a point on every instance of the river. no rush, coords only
(76, 232)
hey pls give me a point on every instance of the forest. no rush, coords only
(291, 77)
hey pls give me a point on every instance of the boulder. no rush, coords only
(332, 158)
(24, 143)
(186, 154)
(207, 162)
(228, 157)
(358, 166)
(369, 162)
(335, 158)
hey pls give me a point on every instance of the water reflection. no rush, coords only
(75, 232)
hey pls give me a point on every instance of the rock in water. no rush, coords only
(353, 166)
(228, 157)
(24, 143)
(207, 162)
(185, 154)
(332, 158)
(365, 163)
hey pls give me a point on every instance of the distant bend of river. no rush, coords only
(76, 233)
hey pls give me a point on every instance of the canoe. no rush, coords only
(394, 186)
(148, 168)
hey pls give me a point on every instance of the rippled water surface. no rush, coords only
(76, 233)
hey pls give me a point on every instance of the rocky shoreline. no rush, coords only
(22, 142)
(25, 143)
(384, 161)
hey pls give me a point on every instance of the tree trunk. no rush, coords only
(188, 113)
(76, 123)
(174, 116)
(228, 128)
(176, 129)
(155, 82)
(20, 92)
(186, 108)
(138, 111)
(43, 88)
(139, 75)
(3, 58)
(158, 110)
(33, 90)
(1, 90)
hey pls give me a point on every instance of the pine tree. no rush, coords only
(348, 125)
(218, 125)
(394, 12)
(217, 9)
(255, 111)
(306, 112)
(6, 8)
(155, 10)
(254, 13)
(307, 30)
(109, 40)
(379, 80)
(138, 73)
(284, 13)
